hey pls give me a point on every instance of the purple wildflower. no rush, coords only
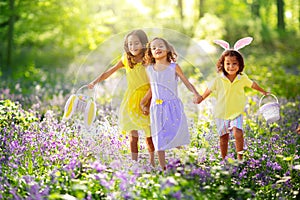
(177, 195)
(98, 166)
(243, 173)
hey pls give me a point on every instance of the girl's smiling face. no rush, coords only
(134, 45)
(158, 49)
(231, 65)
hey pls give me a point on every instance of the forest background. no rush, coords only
(51, 43)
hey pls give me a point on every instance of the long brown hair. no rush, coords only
(231, 53)
(144, 40)
(171, 53)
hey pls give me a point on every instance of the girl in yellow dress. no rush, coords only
(131, 117)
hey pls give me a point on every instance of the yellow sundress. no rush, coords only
(131, 116)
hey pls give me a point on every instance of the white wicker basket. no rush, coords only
(83, 100)
(270, 110)
(83, 104)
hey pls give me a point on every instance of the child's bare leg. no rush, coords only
(134, 138)
(162, 159)
(150, 146)
(239, 141)
(224, 145)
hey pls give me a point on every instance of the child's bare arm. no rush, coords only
(206, 93)
(258, 88)
(145, 102)
(105, 74)
(197, 97)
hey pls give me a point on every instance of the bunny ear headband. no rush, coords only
(238, 45)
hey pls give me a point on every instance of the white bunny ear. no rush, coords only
(242, 42)
(225, 45)
(70, 107)
(89, 113)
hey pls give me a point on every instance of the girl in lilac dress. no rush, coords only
(169, 126)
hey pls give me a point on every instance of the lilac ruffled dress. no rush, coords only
(169, 128)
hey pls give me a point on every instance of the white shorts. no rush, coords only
(225, 126)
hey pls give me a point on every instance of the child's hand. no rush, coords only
(91, 85)
(200, 100)
(197, 99)
(145, 110)
(266, 93)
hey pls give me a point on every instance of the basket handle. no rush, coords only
(84, 86)
(264, 97)
(81, 88)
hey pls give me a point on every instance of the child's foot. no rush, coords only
(152, 163)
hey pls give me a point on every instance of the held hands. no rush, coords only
(145, 103)
(197, 99)
(145, 110)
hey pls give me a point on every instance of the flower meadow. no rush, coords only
(43, 157)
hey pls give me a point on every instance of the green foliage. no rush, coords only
(54, 35)
(66, 29)
(12, 114)
(274, 69)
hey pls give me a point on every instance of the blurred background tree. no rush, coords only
(41, 39)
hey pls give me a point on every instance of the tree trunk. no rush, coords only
(180, 9)
(201, 9)
(280, 15)
(255, 7)
(10, 35)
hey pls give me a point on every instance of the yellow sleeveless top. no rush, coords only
(131, 116)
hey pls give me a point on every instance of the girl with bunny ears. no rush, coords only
(229, 88)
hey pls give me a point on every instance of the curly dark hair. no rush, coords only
(144, 40)
(231, 53)
(171, 55)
